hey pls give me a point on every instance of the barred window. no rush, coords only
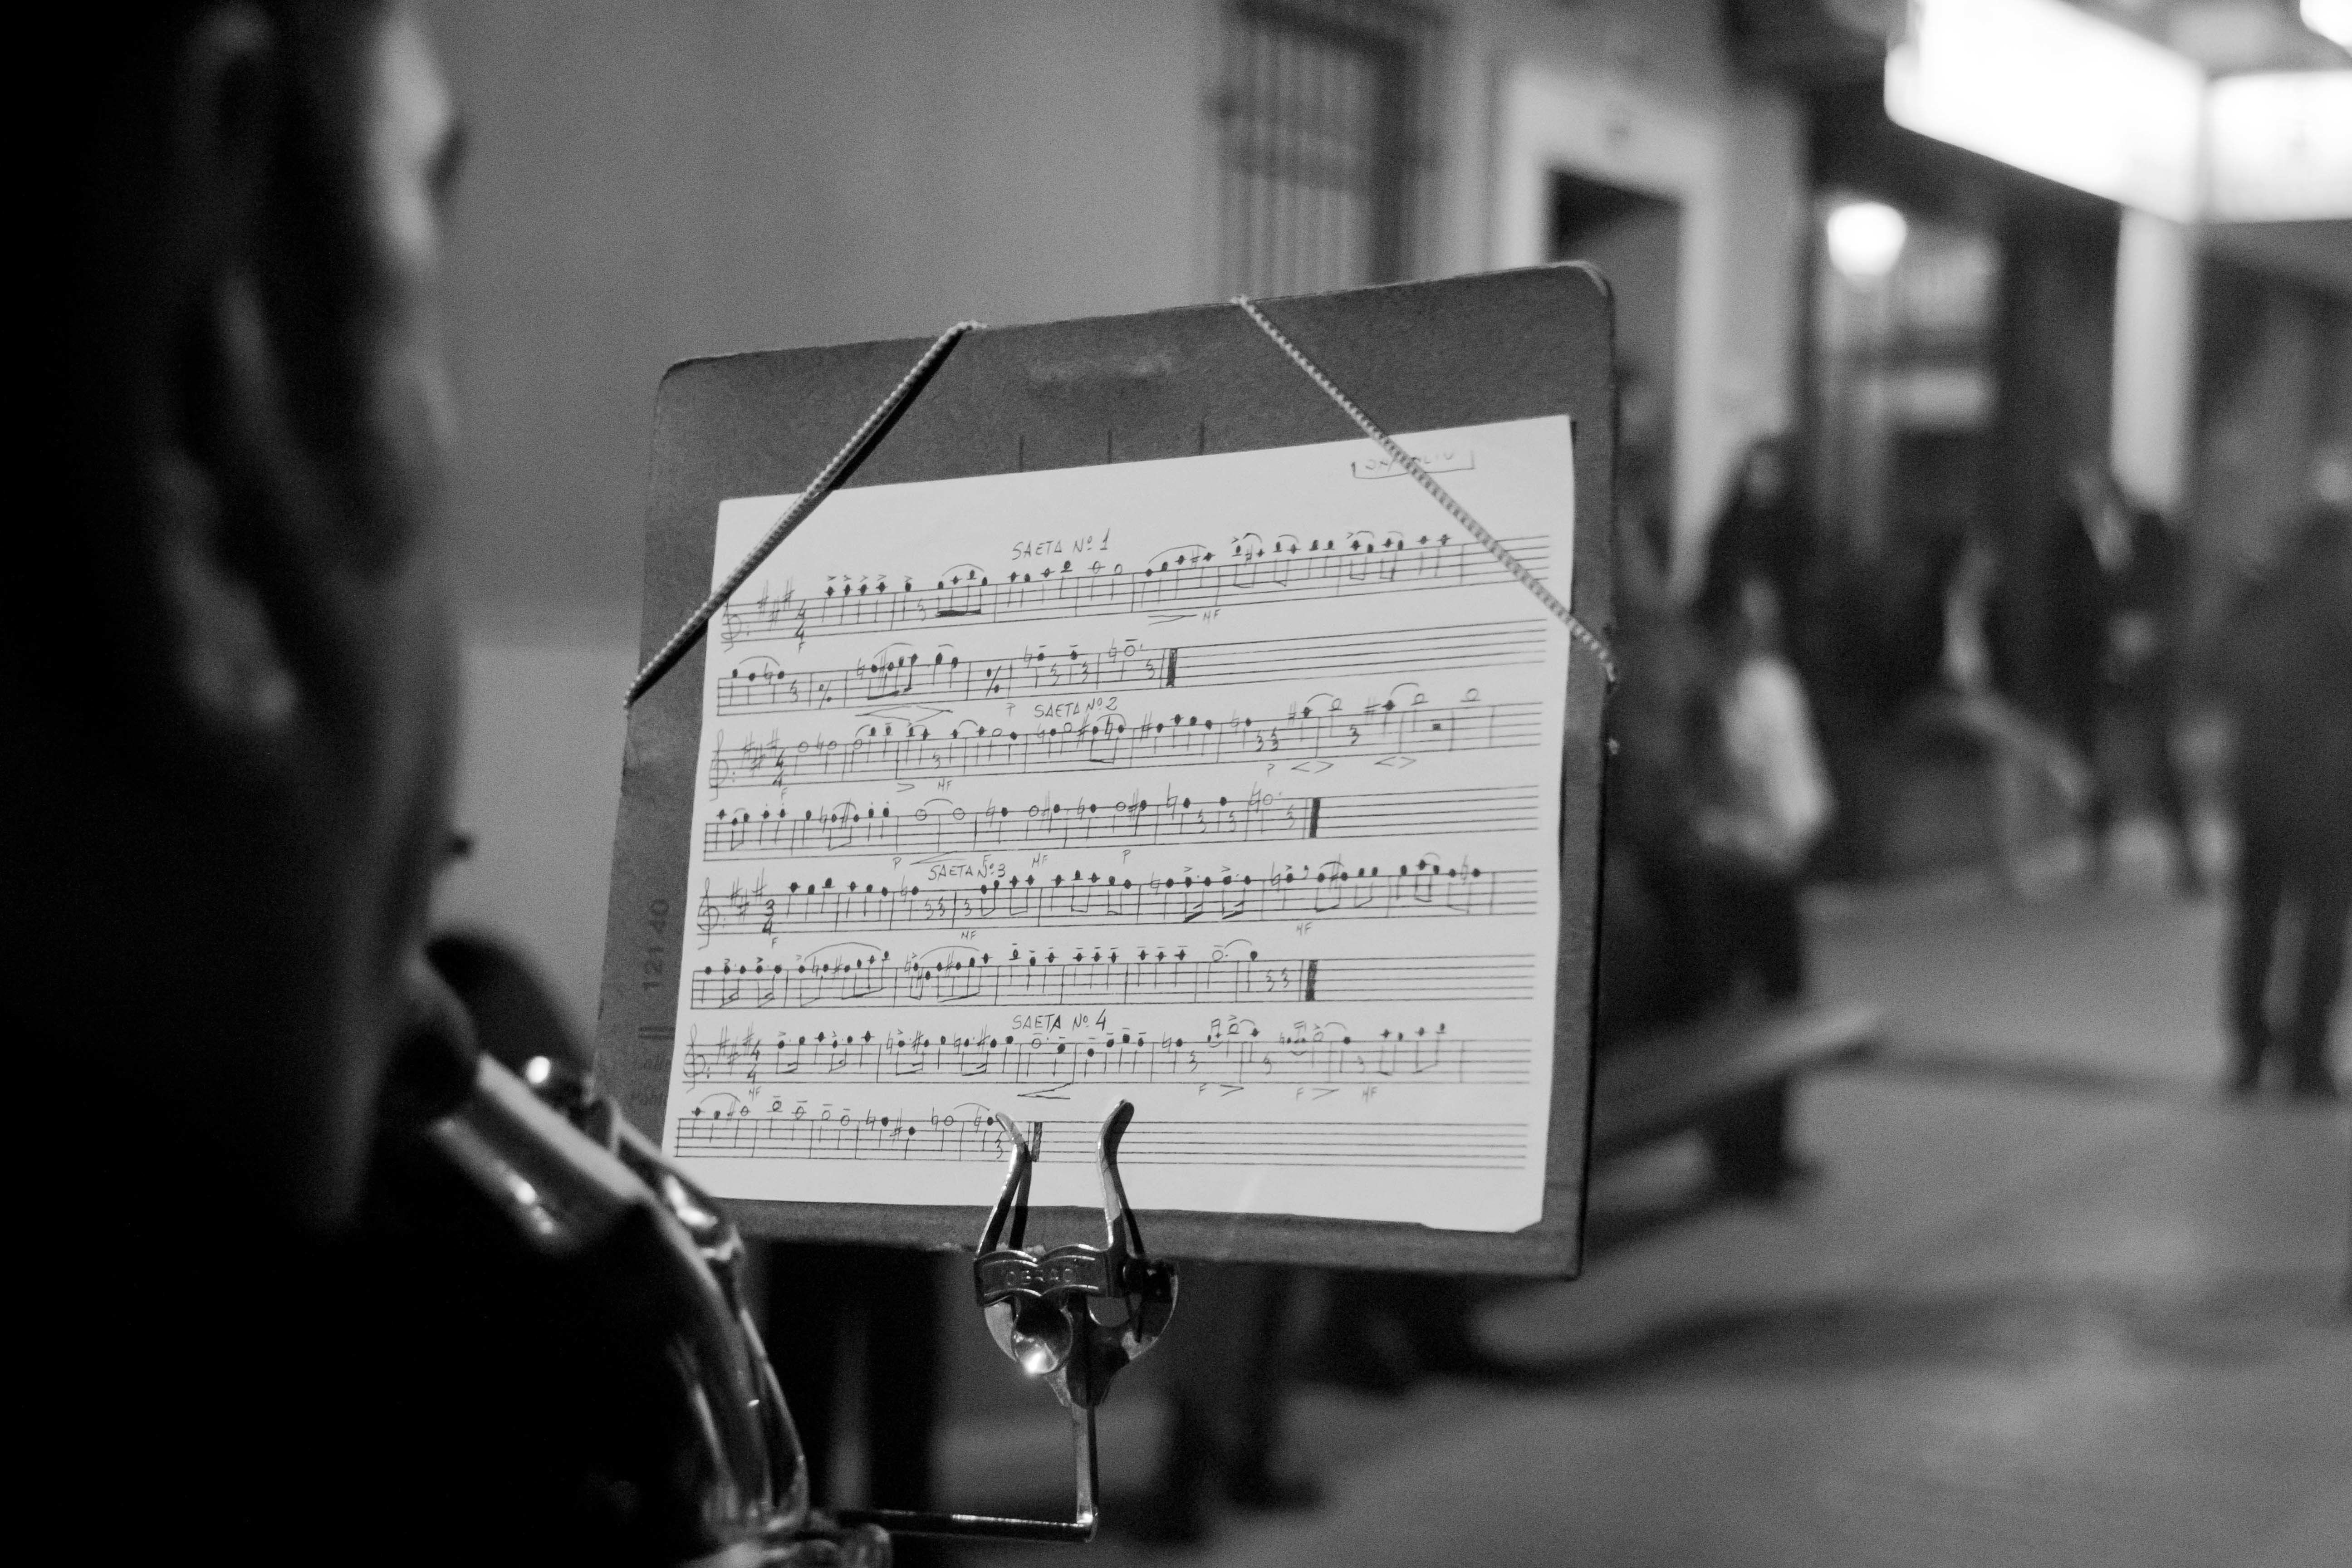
(1326, 127)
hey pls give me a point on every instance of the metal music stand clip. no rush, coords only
(1071, 1315)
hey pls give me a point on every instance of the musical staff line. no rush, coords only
(1190, 581)
(946, 677)
(938, 829)
(900, 750)
(914, 1057)
(1325, 1145)
(1408, 893)
(980, 980)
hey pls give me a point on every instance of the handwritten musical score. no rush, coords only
(902, 674)
(848, 974)
(1185, 581)
(963, 1137)
(1334, 892)
(1234, 1053)
(1386, 732)
(943, 828)
(1300, 902)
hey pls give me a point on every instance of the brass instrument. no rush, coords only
(589, 1243)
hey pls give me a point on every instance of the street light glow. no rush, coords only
(2278, 146)
(2050, 88)
(1866, 239)
(2331, 19)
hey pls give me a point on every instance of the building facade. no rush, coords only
(651, 182)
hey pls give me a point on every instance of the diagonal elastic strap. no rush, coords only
(827, 478)
(837, 467)
(1404, 459)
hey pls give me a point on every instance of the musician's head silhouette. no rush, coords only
(231, 680)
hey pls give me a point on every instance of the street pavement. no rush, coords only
(2051, 1298)
(2117, 984)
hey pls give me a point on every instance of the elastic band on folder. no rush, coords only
(1404, 459)
(827, 478)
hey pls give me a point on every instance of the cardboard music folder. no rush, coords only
(1415, 357)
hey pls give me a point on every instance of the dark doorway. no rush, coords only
(1635, 239)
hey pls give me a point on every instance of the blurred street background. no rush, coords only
(1984, 471)
(2047, 1299)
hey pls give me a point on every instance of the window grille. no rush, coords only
(1325, 130)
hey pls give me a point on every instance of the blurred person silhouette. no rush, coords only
(1766, 800)
(2024, 755)
(1763, 801)
(1765, 530)
(271, 1320)
(2286, 668)
(228, 754)
(1657, 959)
(2117, 575)
(2140, 680)
(1644, 469)
(2087, 538)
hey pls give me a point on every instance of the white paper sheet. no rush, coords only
(1227, 784)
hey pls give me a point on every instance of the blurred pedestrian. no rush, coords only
(1763, 800)
(2114, 585)
(2088, 540)
(2025, 756)
(1765, 530)
(2139, 689)
(1644, 476)
(2287, 669)
(1766, 799)
(1657, 966)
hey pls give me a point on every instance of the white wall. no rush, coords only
(1643, 95)
(651, 181)
(2149, 431)
(647, 182)
(538, 784)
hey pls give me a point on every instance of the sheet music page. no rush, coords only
(1228, 785)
